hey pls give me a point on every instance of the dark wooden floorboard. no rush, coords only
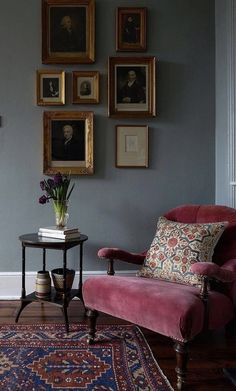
(208, 354)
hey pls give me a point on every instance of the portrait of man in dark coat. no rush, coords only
(68, 140)
(131, 86)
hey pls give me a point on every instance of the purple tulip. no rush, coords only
(51, 183)
(42, 185)
(43, 199)
(58, 179)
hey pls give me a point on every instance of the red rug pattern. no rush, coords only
(43, 358)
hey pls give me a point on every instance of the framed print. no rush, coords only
(85, 87)
(131, 29)
(131, 146)
(50, 87)
(68, 31)
(131, 87)
(68, 142)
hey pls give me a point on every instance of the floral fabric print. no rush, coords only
(176, 246)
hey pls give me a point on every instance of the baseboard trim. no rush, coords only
(10, 282)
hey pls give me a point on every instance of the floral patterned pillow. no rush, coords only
(176, 246)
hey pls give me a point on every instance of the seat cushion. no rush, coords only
(171, 309)
(177, 246)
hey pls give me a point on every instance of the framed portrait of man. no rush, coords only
(68, 142)
(131, 87)
(85, 87)
(68, 31)
(131, 29)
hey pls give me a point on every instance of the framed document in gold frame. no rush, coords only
(68, 31)
(132, 87)
(50, 87)
(68, 142)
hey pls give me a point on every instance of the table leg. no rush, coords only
(23, 274)
(64, 311)
(65, 304)
(22, 306)
(80, 294)
(44, 259)
(23, 292)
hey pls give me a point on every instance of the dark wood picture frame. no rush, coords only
(68, 31)
(85, 87)
(50, 87)
(131, 29)
(131, 146)
(68, 142)
(132, 87)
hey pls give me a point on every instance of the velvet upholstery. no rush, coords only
(175, 310)
(116, 253)
(212, 270)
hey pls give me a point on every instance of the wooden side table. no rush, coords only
(34, 241)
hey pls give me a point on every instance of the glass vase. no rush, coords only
(61, 215)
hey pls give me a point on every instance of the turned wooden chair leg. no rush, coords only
(181, 350)
(110, 267)
(92, 319)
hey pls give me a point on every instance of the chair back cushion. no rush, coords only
(177, 246)
(226, 246)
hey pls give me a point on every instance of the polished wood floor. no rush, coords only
(208, 355)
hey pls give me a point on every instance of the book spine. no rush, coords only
(52, 231)
(59, 236)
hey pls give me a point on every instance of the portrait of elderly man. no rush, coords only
(68, 141)
(67, 29)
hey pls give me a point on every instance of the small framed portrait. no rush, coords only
(131, 87)
(68, 142)
(132, 146)
(131, 29)
(68, 31)
(50, 87)
(85, 87)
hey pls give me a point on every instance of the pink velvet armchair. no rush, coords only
(175, 310)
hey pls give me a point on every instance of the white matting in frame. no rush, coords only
(131, 146)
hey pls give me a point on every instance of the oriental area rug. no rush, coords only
(43, 357)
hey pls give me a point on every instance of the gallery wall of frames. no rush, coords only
(68, 38)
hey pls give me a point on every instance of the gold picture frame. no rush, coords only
(68, 142)
(132, 87)
(85, 87)
(50, 87)
(68, 31)
(131, 34)
(132, 146)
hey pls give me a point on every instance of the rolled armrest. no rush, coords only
(230, 265)
(211, 270)
(122, 255)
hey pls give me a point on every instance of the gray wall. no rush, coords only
(114, 207)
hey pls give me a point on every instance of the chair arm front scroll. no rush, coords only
(226, 274)
(211, 270)
(112, 254)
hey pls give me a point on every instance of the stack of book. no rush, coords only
(57, 233)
